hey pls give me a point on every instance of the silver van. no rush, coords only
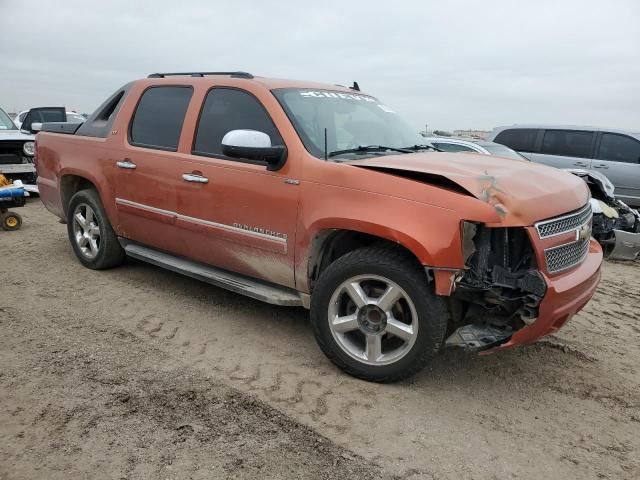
(614, 153)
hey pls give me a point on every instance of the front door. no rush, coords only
(234, 213)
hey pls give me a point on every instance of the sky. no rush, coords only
(448, 64)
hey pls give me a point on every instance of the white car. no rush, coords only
(72, 117)
(16, 152)
(456, 144)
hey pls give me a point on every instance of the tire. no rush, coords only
(10, 221)
(419, 316)
(95, 244)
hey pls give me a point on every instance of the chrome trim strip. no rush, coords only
(201, 221)
(148, 208)
(230, 228)
(557, 219)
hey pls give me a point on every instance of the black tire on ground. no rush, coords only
(398, 266)
(10, 221)
(110, 252)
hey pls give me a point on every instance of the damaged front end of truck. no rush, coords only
(498, 292)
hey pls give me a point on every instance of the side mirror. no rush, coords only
(36, 127)
(254, 145)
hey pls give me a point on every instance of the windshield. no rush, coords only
(351, 120)
(5, 122)
(503, 151)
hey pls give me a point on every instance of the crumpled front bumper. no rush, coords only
(566, 295)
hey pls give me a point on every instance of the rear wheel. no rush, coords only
(10, 221)
(375, 316)
(92, 238)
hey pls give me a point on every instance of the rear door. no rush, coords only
(147, 169)
(566, 148)
(233, 213)
(618, 158)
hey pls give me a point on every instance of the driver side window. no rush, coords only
(227, 109)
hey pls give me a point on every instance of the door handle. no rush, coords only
(126, 163)
(581, 164)
(601, 165)
(192, 177)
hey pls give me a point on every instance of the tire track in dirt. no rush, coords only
(536, 401)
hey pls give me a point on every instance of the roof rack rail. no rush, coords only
(200, 74)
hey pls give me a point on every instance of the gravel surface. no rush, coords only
(137, 372)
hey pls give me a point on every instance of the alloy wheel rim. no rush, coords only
(373, 319)
(86, 230)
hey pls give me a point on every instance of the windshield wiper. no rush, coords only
(369, 148)
(415, 148)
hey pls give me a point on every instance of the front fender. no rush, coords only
(431, 233)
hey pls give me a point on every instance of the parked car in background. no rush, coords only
(72, 117)
(614, 153)
(615, 225)
(455, 144)
(16, 152)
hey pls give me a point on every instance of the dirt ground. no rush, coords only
(137, 372)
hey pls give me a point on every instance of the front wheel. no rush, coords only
(375, 316)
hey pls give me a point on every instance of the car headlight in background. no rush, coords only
(29, 148)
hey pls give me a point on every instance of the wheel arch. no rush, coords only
(72, 182)
(330, 243)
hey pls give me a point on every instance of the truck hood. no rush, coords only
(520, 192)
(15, 135)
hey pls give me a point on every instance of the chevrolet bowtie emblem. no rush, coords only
(583, 233)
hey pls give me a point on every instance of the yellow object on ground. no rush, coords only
(3, 181)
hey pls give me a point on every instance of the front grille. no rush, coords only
(566, 223)
(11, 152)
(9, 159)
(566, 256)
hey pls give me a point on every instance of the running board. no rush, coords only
(234, 282)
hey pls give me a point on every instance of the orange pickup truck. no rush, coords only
(314, 195)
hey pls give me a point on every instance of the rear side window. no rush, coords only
(227, 109)
(158, 119)
(519, 139)
(619, 148)
(568, 143)
(452, 147)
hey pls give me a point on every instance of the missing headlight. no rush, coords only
(469, 230)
